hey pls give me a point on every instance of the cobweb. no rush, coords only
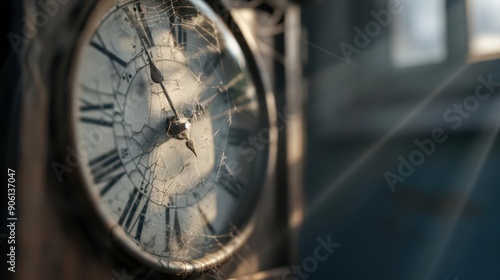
(177, 17)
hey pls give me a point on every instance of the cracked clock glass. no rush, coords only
(165, 113)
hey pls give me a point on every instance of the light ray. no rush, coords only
(433, 253)
(325, 196)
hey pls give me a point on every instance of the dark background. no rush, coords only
(442, 222)
(10, 21)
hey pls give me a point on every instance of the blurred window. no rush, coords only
(484, 25)
(419, 33)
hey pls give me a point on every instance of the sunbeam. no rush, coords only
(325, 196)
(433, 253)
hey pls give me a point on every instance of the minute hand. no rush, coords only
(156, 74)
(158, 78)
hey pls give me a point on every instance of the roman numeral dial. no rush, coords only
(174, 236)
(107, 169)
(229, 182)
(167, 120)
(100, 114)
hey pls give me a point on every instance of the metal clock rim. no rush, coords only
(211, 260)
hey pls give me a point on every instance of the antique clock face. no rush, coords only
(174, 131)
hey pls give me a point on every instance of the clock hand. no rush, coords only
(140, 32)
(180, 122)
(179, 126)
(190, 145)
(157, 77)
(179, 129)
(156, 74)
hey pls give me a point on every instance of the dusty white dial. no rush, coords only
(171, 203)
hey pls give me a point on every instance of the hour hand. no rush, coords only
(190, 145)
(156, 74)
(157, 77)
